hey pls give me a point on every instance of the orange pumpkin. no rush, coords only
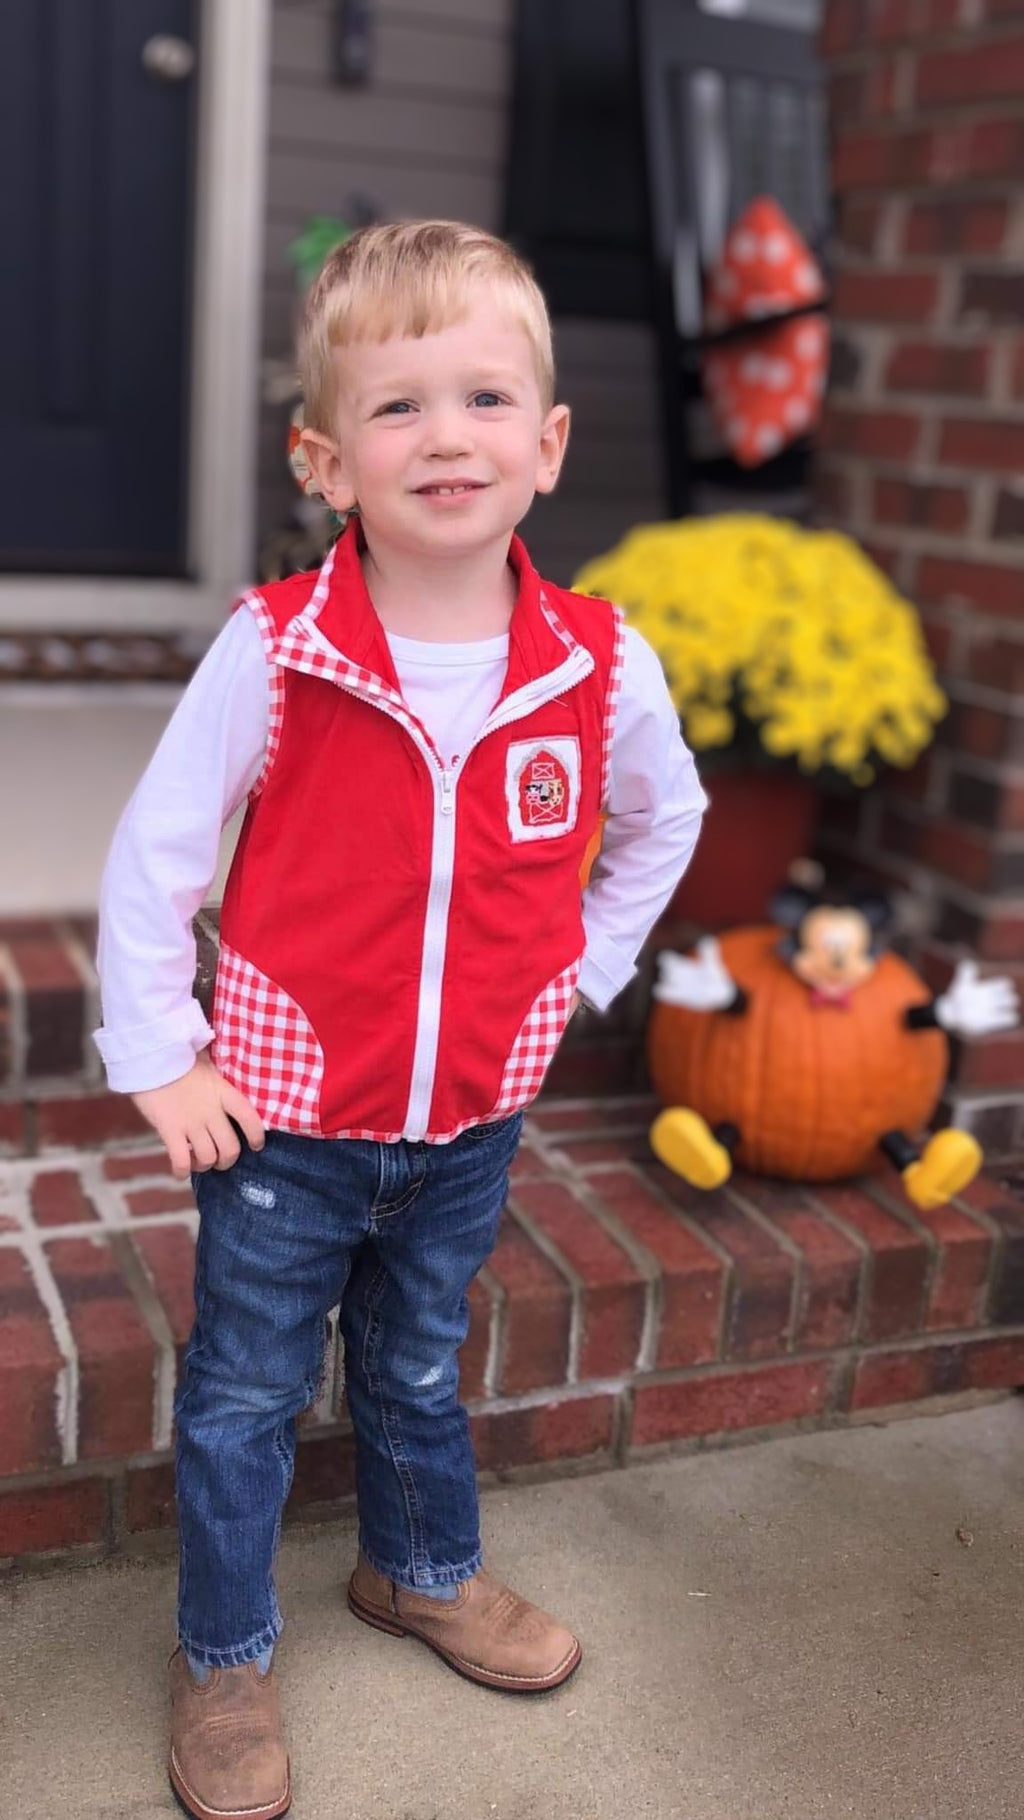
(593, 849)
(811, 1087)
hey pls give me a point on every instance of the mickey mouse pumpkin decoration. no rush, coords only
(802, 1050)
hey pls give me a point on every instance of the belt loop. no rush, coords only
(384, 1172)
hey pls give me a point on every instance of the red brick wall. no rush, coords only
(922, 458)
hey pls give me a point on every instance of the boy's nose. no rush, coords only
(447, 435)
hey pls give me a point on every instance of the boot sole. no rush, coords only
(271, 1812)
(502, 1684)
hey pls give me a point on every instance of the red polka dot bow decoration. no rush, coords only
(765, 387)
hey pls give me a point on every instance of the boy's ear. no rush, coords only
(554, 436)
(326, 460)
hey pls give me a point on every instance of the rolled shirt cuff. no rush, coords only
(153, 1055)
(604, 973)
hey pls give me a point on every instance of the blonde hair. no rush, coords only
(411, 278)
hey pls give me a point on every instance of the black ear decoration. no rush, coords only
(790, 905)
(877, 912)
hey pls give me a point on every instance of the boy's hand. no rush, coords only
(191, 1117)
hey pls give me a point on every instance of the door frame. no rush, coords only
(231, 156)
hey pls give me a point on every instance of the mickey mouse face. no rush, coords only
(833, 952)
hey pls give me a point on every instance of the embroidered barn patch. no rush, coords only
(542, 787)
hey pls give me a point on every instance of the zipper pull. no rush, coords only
(447, 793)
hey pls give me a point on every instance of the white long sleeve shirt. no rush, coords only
(164, 854)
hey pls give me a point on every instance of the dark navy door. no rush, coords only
(96, 138)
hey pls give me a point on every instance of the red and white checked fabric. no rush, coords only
(303, 647)
(611, 700)
(275, 683)
(555, 623)
(283, 1075)
(536, 1043)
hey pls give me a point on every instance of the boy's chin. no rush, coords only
(468, 532)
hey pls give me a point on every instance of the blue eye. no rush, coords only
(397, 405)
(488, 398)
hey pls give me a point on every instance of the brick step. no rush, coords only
(621, 1311)
(49, 1001)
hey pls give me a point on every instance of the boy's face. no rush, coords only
(441, 440)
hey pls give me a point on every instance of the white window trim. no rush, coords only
(234, 52)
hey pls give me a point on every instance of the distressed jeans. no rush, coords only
(394, 1233)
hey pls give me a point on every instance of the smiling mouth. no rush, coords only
(452, 490)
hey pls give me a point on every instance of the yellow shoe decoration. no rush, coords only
(685, 1143)
(949, 1161)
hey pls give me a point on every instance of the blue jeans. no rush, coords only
(394, 1233)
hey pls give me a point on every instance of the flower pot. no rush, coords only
(757, 824)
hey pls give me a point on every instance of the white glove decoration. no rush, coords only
(975, 1007)
(698, 985)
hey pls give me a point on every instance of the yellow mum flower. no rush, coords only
(707, 726)
(797, 631)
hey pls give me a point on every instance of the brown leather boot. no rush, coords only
(227, 1750)
(489, 1634)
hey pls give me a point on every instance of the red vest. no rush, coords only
(400, 942)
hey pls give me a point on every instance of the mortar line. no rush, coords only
(67, 1384)
(577, 1287)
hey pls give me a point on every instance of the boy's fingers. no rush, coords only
(204, 1150)
(226, 1140)
(237, 1107)
(180, 1157)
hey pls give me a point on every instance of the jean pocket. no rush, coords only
(487, 1133)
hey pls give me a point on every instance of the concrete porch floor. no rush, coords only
(787, 1629)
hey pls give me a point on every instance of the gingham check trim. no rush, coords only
(265, 1045)
(297, 650)
(536, 1043)
(275, 683)
(611, 700)
(302, 646)
(555, 623)
(429, 1137)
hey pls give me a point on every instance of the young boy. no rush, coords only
(426, 735)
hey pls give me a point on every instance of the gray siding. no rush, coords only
(612, 474)
(427, 137)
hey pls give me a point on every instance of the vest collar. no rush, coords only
(339, 636)
(344, 615)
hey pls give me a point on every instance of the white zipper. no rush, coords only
(435, 947)
(442, 865)
(534, 695)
